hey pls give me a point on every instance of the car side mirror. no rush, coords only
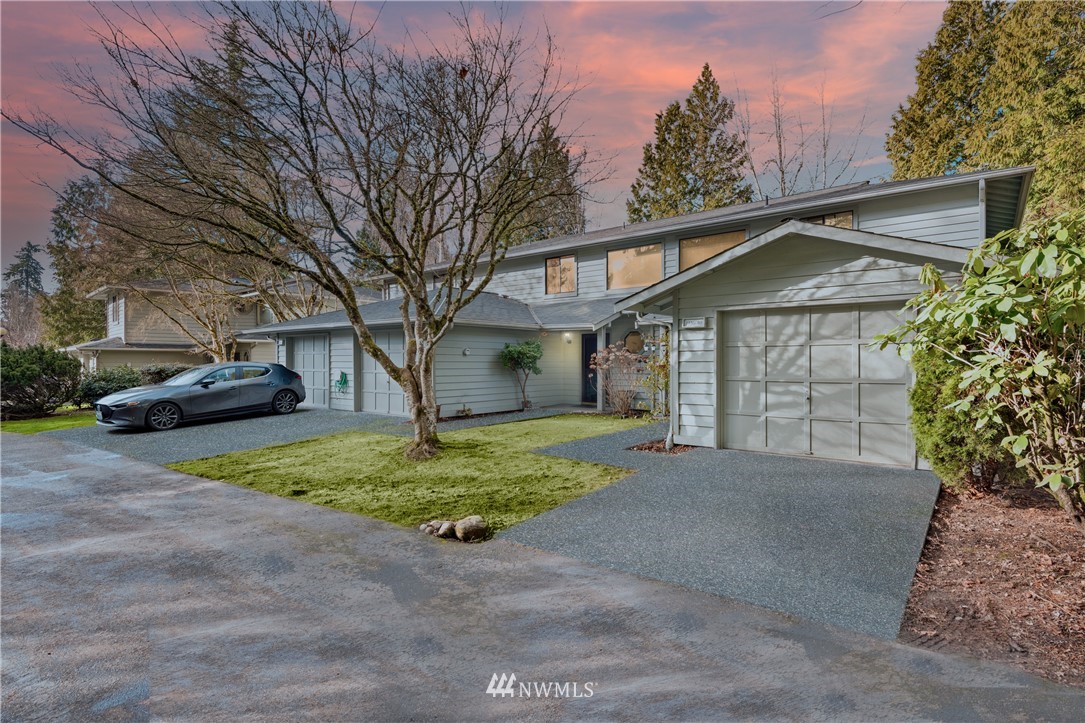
(206, 383)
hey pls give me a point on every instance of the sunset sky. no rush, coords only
(633, 57)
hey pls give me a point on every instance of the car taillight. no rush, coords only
(297, 376)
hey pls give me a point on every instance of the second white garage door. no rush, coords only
(311, 362)
(804, 382)
(380, 393)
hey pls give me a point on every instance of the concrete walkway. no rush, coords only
(828, 541)
(132, 592)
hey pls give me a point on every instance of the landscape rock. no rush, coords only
(447, 529)
(471, 528)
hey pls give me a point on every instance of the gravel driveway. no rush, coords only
(132, 592)
(828, 541)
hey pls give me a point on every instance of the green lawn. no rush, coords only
(61, 420)
(489, 471)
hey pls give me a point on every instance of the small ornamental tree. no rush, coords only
(657, 378)
(1021, 362)
(35, 380)
(523, 360)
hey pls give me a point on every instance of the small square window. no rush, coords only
(561, 275)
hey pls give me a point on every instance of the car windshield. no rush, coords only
(190, 376)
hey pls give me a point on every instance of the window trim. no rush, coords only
(576, 275)
(745, 237)
(823, 214)
(662, 265)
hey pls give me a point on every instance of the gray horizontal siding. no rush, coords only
(948, 216)
(341, 355)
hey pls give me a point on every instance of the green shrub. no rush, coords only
(961, 455)
(523, 360)
(104, 382)
(158, 373)
(35, 380)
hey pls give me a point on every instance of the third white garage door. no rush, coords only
(802, 381)
(380, 394)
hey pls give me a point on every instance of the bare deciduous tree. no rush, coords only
(396, 150)
(785, 155)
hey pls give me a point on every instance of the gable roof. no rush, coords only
(872, 242)
(1006, 190)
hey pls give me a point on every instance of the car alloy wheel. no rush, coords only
(284, 402)
(163, 416)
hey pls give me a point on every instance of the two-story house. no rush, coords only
(138, 331)
(770, 306)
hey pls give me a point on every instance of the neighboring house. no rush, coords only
(138, 332)
(770, 306)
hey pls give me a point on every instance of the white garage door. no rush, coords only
(804, 382)
(311, 362)
(380, 394)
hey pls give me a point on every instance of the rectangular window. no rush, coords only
(692, 251)
(638, 266)
(561, 275)
(843, 219)
(116, 309)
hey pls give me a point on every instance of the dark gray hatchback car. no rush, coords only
(212, 390)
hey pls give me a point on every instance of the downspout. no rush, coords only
(983, 210)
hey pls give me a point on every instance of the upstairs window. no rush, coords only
(115, 308)
(633, 267)
(561, 275)
(843, 219)
(692, 251)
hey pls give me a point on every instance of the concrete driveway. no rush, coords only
(827, 541)
(209, 438)
(133, 592)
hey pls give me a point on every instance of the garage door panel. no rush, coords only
(877, 321)
(785, 435)
(832, 325)
(744, 397)
(883, 401)
(882, 364)
(832, 438)
(786, 362)
(787, 327)
(743, 432)
(745, 327)
(828, 399)
(882, 443)
(786, 399)
(744, 361)
(833, 361)
(381, 394)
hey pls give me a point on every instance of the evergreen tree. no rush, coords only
(23, 276)
(561, 212)
(930, 132)
(68, 317)
(1034, 103)
(695, 163)
(1001, 85)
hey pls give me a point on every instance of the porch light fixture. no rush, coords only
(568, 337)
(467, 352)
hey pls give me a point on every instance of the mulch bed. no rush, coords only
(1002, 577)
(659, 446)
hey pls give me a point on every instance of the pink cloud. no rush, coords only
(634, 59)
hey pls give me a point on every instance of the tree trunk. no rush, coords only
(422, 400)
(1072, 504)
